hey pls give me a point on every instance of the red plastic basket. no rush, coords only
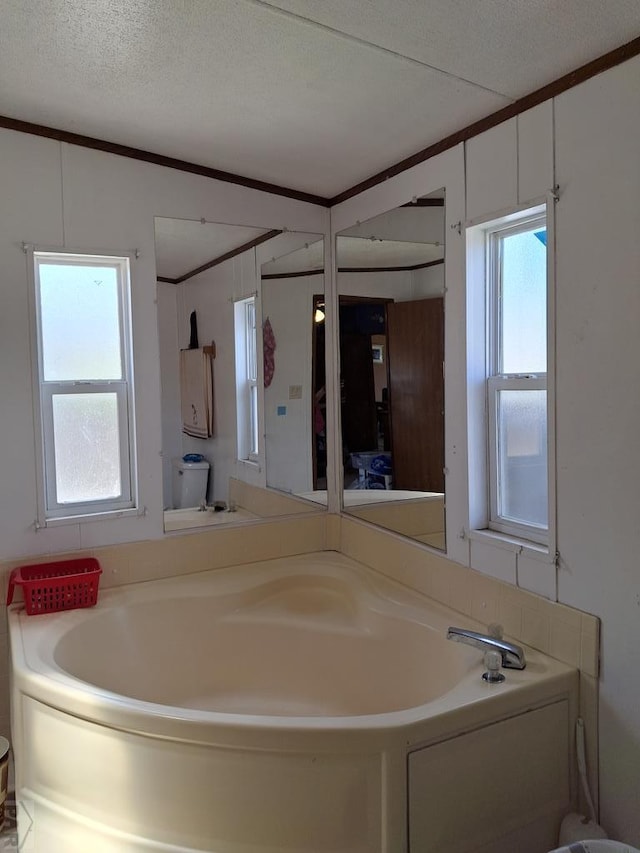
(51, 587)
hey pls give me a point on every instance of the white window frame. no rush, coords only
(247, 382)
(498, 380)
(486, 379)
(50, 509)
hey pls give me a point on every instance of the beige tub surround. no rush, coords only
(564, 633)
(295, 699)
(267, 503)
(190, 518)
(188, 551)
(246, 503)
(419, 518)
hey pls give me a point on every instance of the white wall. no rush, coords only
(428, 282)
(167, 296)
(587, 141)
(376, 285)
(288, 303)
(59, 195)
(592, 136)
(598, 414)
(211, 295)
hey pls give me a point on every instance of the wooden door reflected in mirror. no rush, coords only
(391, 313)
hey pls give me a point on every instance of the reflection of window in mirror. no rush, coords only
(515, 428)
(247, 379)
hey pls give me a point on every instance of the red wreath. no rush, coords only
(269, 344)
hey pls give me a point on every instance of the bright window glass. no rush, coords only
(523, 344)
(87, 447)
(247, 396)
(252, 357)
(253, 391)
(81, 334)
(522, 456)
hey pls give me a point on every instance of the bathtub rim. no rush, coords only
(467, 703)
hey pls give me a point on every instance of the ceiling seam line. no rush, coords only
(361, 41)
(550, 91)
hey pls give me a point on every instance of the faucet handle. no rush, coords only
(493, 662)
(495, 630)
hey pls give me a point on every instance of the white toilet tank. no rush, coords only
(189, 482)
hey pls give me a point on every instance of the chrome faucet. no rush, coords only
(511, 654)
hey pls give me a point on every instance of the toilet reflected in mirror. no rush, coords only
(391, 310)
(190, 479)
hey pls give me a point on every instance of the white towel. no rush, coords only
(196, 393)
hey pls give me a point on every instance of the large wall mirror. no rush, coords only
(242, 362)
(391, 314)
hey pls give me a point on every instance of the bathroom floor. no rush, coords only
(9, 834)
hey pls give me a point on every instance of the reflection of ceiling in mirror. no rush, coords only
(184, 244)
(358, 252)
(309, 257)
(419, 223)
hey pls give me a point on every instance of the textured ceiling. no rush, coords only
(511, 47)
(315, 95)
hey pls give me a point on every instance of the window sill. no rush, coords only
(512, 543)
(94, 516)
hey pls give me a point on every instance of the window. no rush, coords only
(247, 379)
(515, 398)
(84, 383)
(517, 382)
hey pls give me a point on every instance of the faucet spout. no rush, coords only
(512, 655)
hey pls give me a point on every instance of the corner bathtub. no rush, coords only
(301, 705)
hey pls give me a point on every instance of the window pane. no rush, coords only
(252, 356)
(80, 322)
(253, 402)
(524, 302)
(87, 447)
(522, 456)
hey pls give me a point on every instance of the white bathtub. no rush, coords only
(302, 705)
